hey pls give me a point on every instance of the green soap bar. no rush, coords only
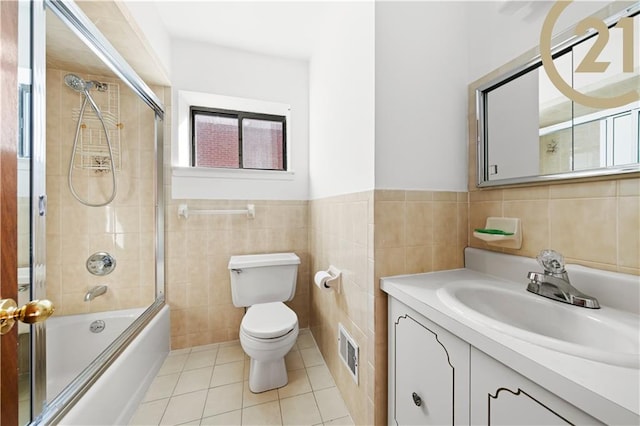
(493, 231)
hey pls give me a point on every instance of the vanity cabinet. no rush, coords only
(500, 396)
(436, 378)
(428, 371)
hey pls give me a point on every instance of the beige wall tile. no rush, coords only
(527, 193)
(584, 190)
(584, 229)
(629, 187)
(419, 223)
(390, 195)
(578, 215)
(445, 222)
(486, 195)
(419, 195)
(75, 231)
(389, 217)
(628, 240)
(535, 224)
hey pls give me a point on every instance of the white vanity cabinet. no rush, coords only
(428, 371)
(473, 356)
(500, 396)
(436, 378)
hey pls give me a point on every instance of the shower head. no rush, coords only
(80, 85)
(76, 83)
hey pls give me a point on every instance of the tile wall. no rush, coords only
(371, 235)
(198, 251)
(415, 232)
(124, 228)
(341, 235)
(595, 224)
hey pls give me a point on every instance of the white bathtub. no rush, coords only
(115, 396)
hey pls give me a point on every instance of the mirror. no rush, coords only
(529, 131)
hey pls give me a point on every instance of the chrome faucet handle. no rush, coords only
(551, 261)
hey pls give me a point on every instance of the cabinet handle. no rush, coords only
(416, 399)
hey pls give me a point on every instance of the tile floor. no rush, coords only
(207, 385)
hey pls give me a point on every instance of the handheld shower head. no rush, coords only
(76, 83)
(82, 86)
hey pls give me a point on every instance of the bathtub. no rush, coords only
(114, 397)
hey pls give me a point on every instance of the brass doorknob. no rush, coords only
(32, 312)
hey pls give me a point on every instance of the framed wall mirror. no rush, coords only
(530, 131)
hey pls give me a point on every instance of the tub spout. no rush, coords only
(94, 292)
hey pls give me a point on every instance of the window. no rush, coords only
(237, 140)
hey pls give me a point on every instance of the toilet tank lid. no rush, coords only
(268, 259)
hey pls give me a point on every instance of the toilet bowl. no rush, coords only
(269, 328)
(267, 333)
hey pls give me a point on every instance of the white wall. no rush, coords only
(500, 31)
(206, 68)
(342, 96)
(148, 19)
(421, 96)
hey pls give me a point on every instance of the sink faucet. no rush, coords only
(94, 292)
(554, 282)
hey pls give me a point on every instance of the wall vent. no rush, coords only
(348, 351)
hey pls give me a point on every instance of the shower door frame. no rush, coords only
(51, 412)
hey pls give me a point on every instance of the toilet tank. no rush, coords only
(263, 278)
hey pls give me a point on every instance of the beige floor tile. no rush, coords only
(223, 399)
(311, 357)
(320, 377)
(184, 408)
(300, 410)
(193, 380)
(212, 346)
(247, 366)
(293, 360)
(149, 413)
(199, 359)
(224, 374)
(230, 354)
(208, 385)
(162, 387)
(249, 398)
(232, 418)
(305, 341)
(343, 421)
(298, 384)
(173, 364)
(263, 414)
(331, 404)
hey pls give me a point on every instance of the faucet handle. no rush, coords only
(551, 261)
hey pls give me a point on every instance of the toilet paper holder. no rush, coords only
(329, 279)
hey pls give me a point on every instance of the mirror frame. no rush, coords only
(611, 14)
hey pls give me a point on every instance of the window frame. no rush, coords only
(240, 116)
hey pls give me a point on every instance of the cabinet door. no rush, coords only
(429, 372)
(500, 396)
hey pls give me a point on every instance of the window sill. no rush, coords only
(211, 173)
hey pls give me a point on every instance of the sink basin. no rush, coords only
(604, 335)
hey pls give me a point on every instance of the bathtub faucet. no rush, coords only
(94, 292)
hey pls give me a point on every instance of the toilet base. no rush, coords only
(267, 375)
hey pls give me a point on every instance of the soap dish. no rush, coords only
(502, 232)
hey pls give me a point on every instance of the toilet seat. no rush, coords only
(269, 320)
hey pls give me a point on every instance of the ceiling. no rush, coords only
(288, 28)
(65, 51)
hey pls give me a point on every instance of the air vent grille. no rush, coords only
(348, 350)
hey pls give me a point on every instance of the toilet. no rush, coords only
(269, 328)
